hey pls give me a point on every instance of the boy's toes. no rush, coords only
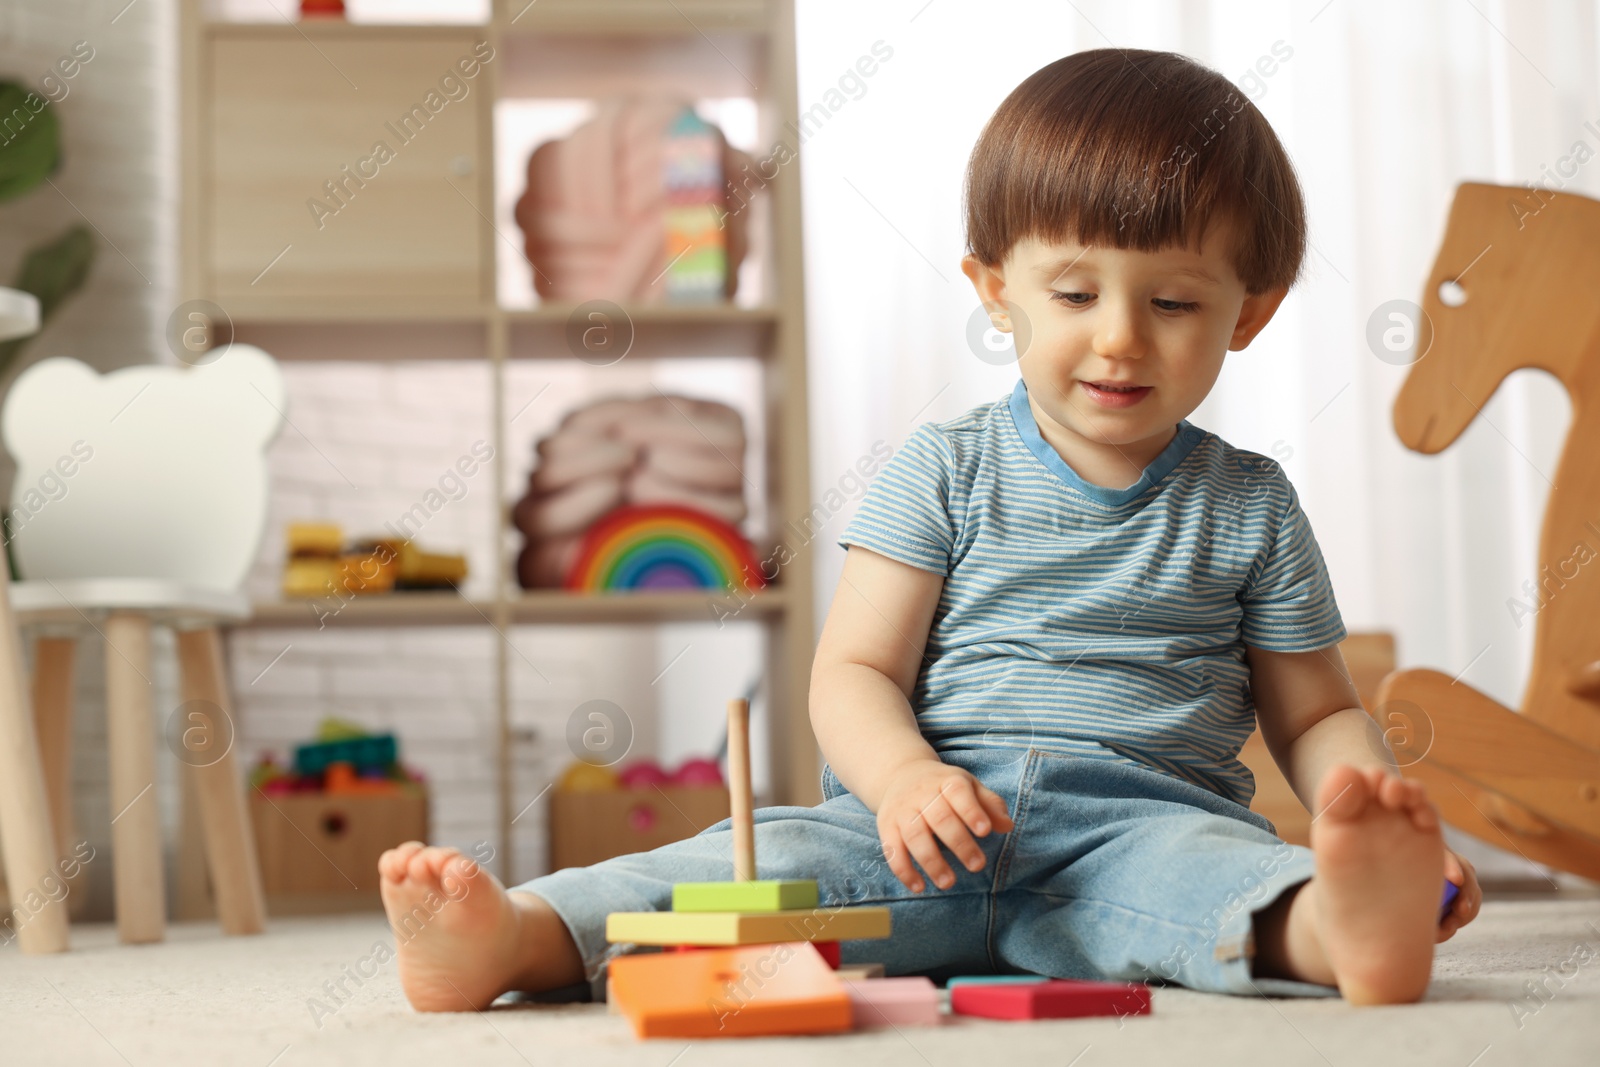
(392, 864)
(1343, 794)
(458, 870)
(1424, 816)
(426, 865)
(1400, 794)
(1393, 794)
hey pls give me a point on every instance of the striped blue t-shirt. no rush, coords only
(1108, 623)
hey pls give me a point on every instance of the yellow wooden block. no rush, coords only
(746, 927)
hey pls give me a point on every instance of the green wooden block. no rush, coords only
(744, 896)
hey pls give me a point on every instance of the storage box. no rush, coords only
(586, 828)
(319, 852)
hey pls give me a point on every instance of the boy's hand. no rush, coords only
(1468, 900)
(928, 802)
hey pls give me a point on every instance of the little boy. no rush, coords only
(1060, 616)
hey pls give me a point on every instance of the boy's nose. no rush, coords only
(1117, 337)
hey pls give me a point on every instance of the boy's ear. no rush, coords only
(989, 283)
(1254, 315)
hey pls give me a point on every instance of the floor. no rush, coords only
(260, 1002)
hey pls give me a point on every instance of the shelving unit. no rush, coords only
(271, 111)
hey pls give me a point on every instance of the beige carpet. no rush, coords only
(201, 999)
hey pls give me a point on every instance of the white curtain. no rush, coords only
(1384, 108)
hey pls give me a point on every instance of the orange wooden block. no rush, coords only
(751, 990)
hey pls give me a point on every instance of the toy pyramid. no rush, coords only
(754, 957)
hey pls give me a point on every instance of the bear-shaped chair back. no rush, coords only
(155, 472)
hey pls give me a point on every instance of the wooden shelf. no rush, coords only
(527, 608)
(619, 17)
(555, 606)
(395, 609)
(653, 314)
(311, 312)
(277, 309)
(391, 340)
(299, 332)
(337, 29)
(659, 332)
(404, 266)
(630, 16)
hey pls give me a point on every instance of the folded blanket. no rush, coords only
(566, 459)
(676, 430)
(569, 511)
(643, 487)
(543, 564)
(655, 449)
(699, 468)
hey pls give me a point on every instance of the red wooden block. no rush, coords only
(1051, 1000)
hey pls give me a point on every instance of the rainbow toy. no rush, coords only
(663, 546)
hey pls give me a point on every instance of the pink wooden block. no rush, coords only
(893, 1002)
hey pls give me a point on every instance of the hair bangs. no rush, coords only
(1135, 150)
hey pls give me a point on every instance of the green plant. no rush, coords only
(31, 150)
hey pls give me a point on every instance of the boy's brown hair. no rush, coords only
(1137, 150)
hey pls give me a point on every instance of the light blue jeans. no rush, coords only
(1111, 872)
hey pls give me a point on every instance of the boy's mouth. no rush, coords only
(1115, 394)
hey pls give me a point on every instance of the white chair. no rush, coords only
(139, 500)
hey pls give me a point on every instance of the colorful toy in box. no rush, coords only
(360, 753)
(641, 775)
(663, 546)
(344, 759)
(581, 777)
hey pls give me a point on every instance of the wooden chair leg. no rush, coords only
(52, 717)
(38, 915)
(229, 844)
(191, 890)
(135, 815)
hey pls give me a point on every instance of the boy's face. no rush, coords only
(1084, 317)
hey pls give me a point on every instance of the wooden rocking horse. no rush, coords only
(1514, 286)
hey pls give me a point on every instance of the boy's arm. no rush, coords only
(1312, 720)
(1311, 717)
(866, 668)
(866, 665)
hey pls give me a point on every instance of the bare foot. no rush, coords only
(459, 934)
(1380, 869)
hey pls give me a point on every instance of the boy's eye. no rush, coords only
(1175, 305)
(1079, 300)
